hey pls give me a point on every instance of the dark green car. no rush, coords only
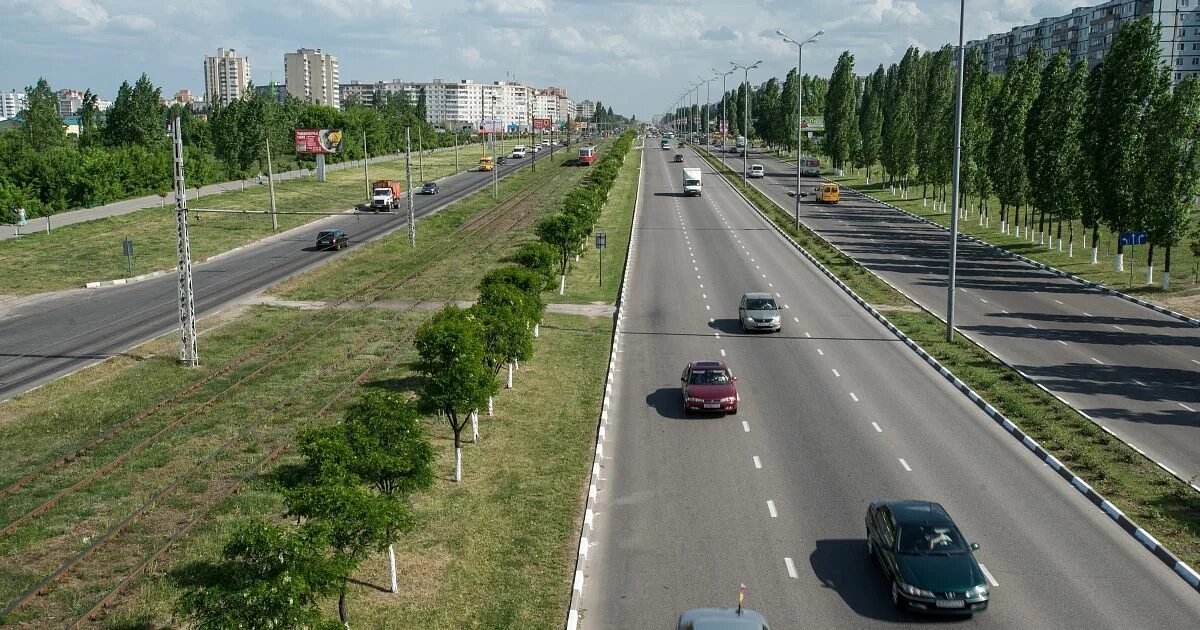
(930, 565)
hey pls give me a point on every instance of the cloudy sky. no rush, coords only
(635, 55)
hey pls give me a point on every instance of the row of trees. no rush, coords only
(351, 496)
(125, 151)
(772, 109)
(1113, 147)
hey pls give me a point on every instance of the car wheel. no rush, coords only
(896, 601)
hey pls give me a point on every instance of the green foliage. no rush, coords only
(560, 231)
(506, 314)
(538, 257)
(455, 377)
(839, 110)
(136, 116)
(1171, 163)
(387, 445)
(269, 577)
(42, 123)
(870, 117)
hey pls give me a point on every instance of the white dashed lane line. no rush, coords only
(757, 462)
(1058, 302)
(820, 352)
(1087, 314)
(1061, 341)
(877, 429)
(1118, 328)
(835, 373)
(745, 426)
(771, 509)
(905, 465)
(1185, 406)
(1097, 360)
(791, 568)
(1196, 362)
(1031, 325)
(853, 397)
(796, 319)
(722, 351)
(983, 300)
(988, 574)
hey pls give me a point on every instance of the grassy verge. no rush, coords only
(1166, 507)
(616, 221)
(330, 281)
(75, 254)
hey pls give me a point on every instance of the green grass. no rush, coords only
(616, 221)
(1165, 506)
(73, 255)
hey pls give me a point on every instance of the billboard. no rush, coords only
(541, 123)
(319, 141)
(493, 124)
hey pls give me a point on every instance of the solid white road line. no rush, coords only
(877, 429)
(905, 465)
(835, 373)
(757, 462)
(854, 397)
(791, 567)
(1185, 406)
(771, 508)
(988, 574)
(745, 426)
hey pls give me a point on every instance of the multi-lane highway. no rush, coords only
(835, 412)
(1135, 371)
(58, 334)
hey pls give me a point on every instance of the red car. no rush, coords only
(709, 386)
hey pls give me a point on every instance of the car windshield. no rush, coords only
(428, 184)
(930, 539)
(325, 235)
(709, 377)
(382, 191)
(760, 305)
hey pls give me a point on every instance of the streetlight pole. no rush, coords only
(746, 128)
(799, 108)
(724, 109)
(962, 9)
(707, 99)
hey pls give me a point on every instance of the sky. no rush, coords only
(637, 56)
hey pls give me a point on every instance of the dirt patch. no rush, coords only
(887, 308)
(1188, 304)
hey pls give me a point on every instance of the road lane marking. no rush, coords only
(1119, 328)
(1097, 360)
(704, 295)
(1004, 311)
(796, 319)
(877, 429)
(707, 307)
(1061, 341)
(785, 305)
(988, 574)
(1185, 406)
(771, 508)
(745, 426)
(1139, 382)
(1031, 325)
(764, 275)
(1058, 301)
(905, 465)
(820, 352)
(791, 567)
(757, 267)
(1196, 362)
(854, 397)
(983, 300)
(835, 373)
(757, 462)
(1087, 314)
(772, 285)
(722, 351)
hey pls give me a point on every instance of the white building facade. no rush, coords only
(11, 103)
(312, 76)
(226, 77)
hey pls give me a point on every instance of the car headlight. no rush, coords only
(909, 589)
(694, 399)
(729, 399)
(978, 591)
(775, 319)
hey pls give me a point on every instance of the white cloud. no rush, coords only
(381, 10)
(472, 57)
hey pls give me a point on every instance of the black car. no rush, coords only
(430, 188)
(923, 554)
(502, 160)
(332, 239)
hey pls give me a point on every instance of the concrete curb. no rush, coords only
(1043, 266)
(589, 511)
(1127, 524)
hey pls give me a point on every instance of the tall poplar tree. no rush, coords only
(1171, 170)
(839, 110)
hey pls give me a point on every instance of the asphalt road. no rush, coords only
(55, 335)
(1135, 371)
(835, 412)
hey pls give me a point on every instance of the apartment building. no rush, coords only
(584, 110)
(312, 76)
(1086, 34)
(69, 102)
(495, 106)
(11, 103)
(226, 77)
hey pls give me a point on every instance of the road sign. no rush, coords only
(601, 240)
(127, 246)
(1133, 238)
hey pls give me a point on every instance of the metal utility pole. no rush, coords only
(366, 174)
(495, 178)
(799, 108)
(271, 184)
(420, 154)
(456, 151)
(962, 9)
(412, 220)
(188, 355)
(724, 108)
(746, 129)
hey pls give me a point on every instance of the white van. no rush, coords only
(518, 152)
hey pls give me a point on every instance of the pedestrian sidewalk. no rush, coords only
(41, 224)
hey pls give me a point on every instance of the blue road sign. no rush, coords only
(1133, 238)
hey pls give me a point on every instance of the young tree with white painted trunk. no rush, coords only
(1172, 169)
(456, 380)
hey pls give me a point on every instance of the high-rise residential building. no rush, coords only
(226, 77)
(584, 110)
(11, 103)
(277, 91)
(1086, 33)
(499, 105)
(69, 102)
(312, 76)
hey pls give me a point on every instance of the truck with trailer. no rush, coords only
(385, 195)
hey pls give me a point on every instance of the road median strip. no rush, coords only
(1173, 513)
